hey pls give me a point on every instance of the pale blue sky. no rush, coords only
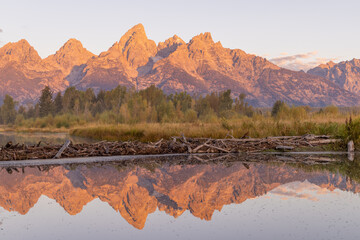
(315, 30)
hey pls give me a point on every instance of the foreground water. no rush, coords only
(177, 200)
(36, 137)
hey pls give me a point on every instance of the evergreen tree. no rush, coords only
(58, 105)
(225, 101)
(7, 111)
(68, 100)
(46, 104)
(278, 107)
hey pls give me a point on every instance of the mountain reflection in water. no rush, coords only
(137, 191)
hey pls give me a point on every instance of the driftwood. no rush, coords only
(62, 149)
(176, 145)
(284, 148)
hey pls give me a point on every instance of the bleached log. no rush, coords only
(62, 149)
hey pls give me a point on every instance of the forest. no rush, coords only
(122, 105)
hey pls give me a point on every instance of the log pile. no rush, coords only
(175, 145)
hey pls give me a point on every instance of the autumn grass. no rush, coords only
(50, 124)
(256, 127)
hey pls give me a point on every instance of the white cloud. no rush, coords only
(303, 61)
(286, 59)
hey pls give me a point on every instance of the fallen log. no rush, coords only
(62, 149)
(326, 141)
(283, 148)
(217, 148)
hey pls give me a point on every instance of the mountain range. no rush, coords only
(199, 66)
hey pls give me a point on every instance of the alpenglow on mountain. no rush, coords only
(199, 66)
(345, 74)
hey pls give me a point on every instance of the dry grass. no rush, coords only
(252, 127)
(256, 126)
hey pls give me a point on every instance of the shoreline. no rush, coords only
(264, 157)
(177, 145)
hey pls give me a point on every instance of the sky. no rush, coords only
(293, 34)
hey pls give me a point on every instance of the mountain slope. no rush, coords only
(345, 74)
(23, 73)
(71, 54)
(120, 64)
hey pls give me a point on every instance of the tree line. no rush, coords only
(123, 105)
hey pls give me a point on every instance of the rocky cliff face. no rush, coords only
(71, 54)
(23, 73)
(120, 64)
(345, 74)
(199, 66)
(137, 192)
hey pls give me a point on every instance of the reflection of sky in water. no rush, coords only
(304, 190)
(296, 210)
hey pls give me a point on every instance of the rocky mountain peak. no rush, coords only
(355, 62)
(345, 74)
(72, 43)
(21, 52)
(136, 30)
(134, 46)
(133, 36)
(71, 54)
(203, 37)
(169, 46)
(327, 65)
(174, 40)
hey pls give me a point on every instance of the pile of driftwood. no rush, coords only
(175, 145)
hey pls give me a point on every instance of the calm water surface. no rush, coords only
(180, 201)
(34, 138)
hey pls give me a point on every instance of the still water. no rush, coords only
(178, 200)
(36, 137)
